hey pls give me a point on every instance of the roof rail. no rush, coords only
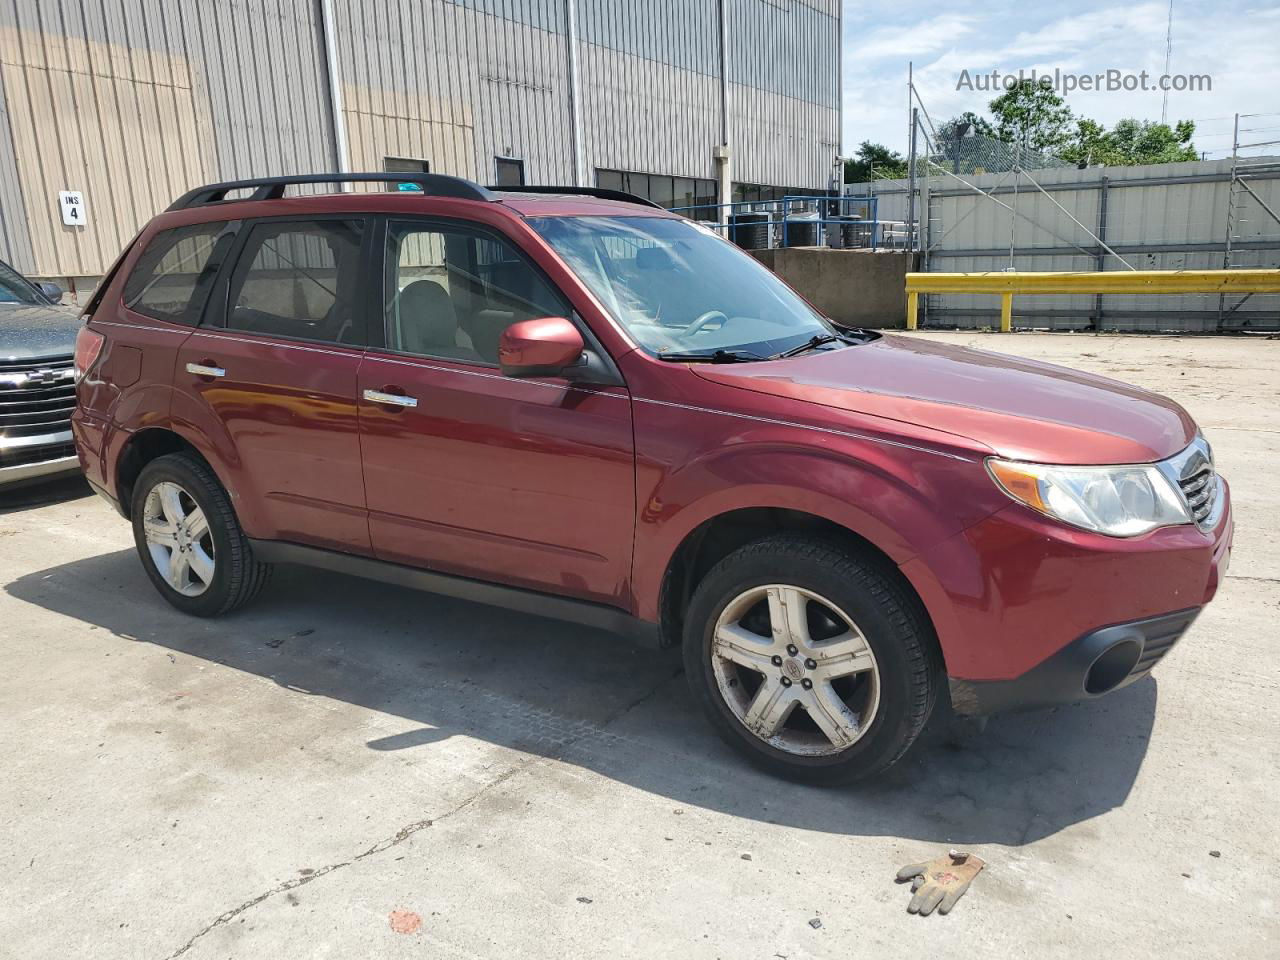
(601, 193)
(272, 188)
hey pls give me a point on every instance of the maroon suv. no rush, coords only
(573, 404)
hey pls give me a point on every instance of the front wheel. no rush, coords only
(810, 660)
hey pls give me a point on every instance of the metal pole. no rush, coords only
(724, 172)
(1168, 57)
(575, 98)
(1013, 207)
(1231, 205)
(911, 102)
(334, 77)
(1100, 261)
(911, 185)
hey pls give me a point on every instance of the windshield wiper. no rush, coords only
(716, 356)
(820, 340)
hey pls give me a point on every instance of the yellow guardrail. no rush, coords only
(1005, 285)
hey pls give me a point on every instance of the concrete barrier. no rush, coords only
(854, 287)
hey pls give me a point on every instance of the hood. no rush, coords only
(1020, 409)
(37, 332)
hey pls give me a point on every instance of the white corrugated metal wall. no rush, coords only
(134, 101)
(1157, 217)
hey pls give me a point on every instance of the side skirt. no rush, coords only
(596, 615)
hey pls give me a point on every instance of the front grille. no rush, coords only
(1201, 490)
(1198, 482)
(37, 398)
(22, 456)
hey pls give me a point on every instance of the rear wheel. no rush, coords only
(189, 539)
(809, 660)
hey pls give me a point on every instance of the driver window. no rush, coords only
(450, 293)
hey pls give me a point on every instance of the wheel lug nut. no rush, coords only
(807, 683)
(791, 649)
(777, 661)
(811, 664)
(786, 682)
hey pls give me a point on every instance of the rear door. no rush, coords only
(525, 482)
(270, 379)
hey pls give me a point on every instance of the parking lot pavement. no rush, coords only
(354, 770)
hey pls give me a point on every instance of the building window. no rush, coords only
(678, 193)
(510, 172)
(763, 193)
(404, 165)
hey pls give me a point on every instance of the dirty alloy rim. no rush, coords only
(178, 539)
(795, 670)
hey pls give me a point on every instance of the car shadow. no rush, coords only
(39, 493)
(558, 690)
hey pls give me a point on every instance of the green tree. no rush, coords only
(1132, 142)
(874, 161)
(966, 124)
(1032, 115)
(957, 139)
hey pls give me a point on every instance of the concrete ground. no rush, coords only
(348, 769)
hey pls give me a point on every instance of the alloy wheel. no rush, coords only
(178, 539)
(795, 670)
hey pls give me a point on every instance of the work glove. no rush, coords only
(940, 882)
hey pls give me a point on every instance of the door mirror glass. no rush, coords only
(51, 290)
(539, 348)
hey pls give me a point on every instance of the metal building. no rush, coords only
(131, 102)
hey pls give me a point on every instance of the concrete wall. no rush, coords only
(855, 287)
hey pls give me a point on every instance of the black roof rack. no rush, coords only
(601, 193)
(272, 188)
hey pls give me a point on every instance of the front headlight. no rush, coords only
(1121, 501)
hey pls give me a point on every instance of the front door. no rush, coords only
(524, 482)
(272, 377)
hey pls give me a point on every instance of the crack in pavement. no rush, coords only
(401, 835)
(1232, 576)
(405, 832)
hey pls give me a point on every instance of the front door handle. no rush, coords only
(391, 399)
(205, 370)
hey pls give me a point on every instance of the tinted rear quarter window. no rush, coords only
(173, 276)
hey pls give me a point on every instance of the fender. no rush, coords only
(902, 501)
(204, 432)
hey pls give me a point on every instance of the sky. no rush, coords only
(1236, 44)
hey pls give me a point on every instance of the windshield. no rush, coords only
(14, 289)
(679, 288)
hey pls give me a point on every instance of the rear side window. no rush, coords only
(299, 279)
(173, 276)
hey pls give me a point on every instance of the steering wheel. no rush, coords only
(705, 319)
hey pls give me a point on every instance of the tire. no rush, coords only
(860, 635)
(221, 573)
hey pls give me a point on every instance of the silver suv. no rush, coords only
(37, 380)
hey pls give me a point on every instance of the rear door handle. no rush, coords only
(205, 370)
(391, 399)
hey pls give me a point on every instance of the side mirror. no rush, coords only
(50, 290)
(539, 348)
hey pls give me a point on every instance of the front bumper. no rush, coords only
(1023, 606)
(34, 457)
(1089, 667)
